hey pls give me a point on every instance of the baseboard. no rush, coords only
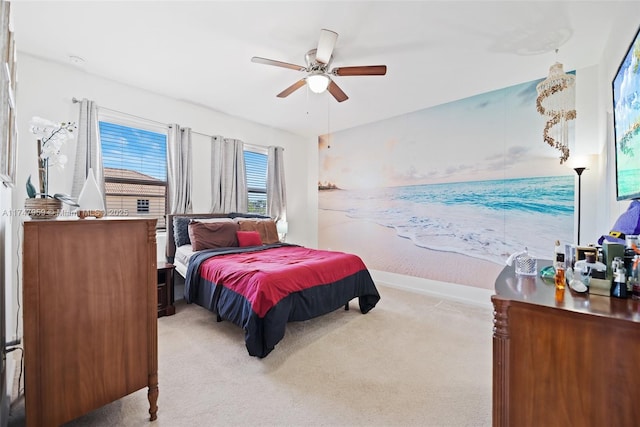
(453, 291)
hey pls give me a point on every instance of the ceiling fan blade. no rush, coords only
(365, 70)
(288, 91)
(325, 45)
(266, 61)
(337, 93)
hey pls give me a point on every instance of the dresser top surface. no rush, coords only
(76, 220)
(535, 290)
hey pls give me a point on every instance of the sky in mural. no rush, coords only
(477, 138)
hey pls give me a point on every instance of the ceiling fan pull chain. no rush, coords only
(328, 118)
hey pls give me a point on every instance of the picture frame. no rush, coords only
(8, 104)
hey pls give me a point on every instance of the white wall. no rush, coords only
(586, 151)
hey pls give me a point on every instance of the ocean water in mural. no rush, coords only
(488, 220)
(447, 193)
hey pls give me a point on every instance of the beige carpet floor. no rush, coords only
(414, 360)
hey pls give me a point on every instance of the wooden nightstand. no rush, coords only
(165, 289)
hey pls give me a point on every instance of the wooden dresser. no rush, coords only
(90, 315)
(574, 362)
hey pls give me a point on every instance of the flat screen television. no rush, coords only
(626, 123)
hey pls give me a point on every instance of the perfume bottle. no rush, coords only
(560, 280)
(558, 256)
(560, 284)
(619, 285)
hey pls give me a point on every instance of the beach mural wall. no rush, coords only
(449, 192)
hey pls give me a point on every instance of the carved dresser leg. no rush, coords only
(152, 395)
(500, 361)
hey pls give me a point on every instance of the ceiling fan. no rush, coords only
(318, 62)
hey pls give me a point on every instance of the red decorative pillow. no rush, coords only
(248, 238)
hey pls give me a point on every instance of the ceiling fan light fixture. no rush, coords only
(318, 83)
(318, 69)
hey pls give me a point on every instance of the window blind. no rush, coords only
(135, 170)
(256, 170)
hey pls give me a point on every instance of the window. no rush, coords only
(143, 205)
(255, 159)
(135, 168)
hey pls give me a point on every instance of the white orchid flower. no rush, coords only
(52, 137)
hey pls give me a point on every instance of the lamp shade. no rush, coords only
(282, 227)
(318, 83)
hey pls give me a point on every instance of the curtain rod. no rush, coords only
(76, 100)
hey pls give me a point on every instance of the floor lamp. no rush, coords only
(579, 172)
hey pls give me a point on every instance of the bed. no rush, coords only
(258, 282)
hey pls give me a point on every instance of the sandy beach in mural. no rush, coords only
(382, 249)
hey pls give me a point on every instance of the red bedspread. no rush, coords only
(262, 288)
(267, 277)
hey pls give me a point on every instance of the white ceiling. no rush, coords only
(201, 51)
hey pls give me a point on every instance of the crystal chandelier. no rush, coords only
(557, 100)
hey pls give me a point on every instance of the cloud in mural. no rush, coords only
(477, 138)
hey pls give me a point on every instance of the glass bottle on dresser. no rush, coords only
(619, 285)
(560, 284)
(558, 256)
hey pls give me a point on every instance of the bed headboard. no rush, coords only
(171, 243)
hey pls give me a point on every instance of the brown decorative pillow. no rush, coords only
(211, 235)
(266, 228)
(181, 227)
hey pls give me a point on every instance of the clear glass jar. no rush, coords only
(526, 265)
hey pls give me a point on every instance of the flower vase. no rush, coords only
(42, 208)
(90, 199)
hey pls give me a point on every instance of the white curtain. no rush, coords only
(180, 177)
(228, 181)
(88, 149)
(276, 189)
